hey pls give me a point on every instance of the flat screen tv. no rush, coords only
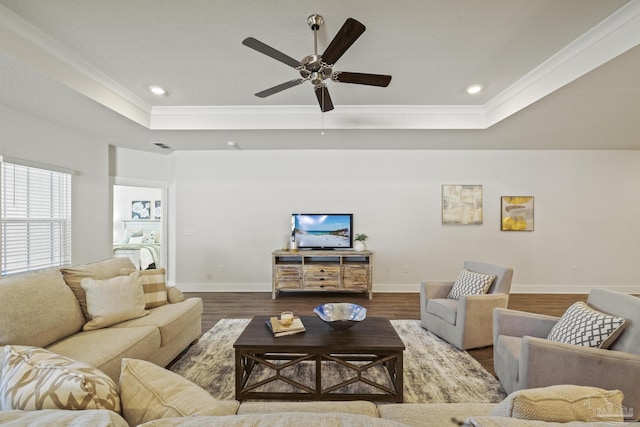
(322, 231)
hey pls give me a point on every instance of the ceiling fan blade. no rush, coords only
(279, 88)
(362, 78)
(347, 35)
(322, 93)
(269, 51)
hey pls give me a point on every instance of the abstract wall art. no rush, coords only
(461, 204)
(517, 213)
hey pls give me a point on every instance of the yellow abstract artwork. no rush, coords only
(517, 213)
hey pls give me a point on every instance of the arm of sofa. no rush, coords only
(544, 362)
(174, 295)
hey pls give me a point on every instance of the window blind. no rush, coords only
(35, 218)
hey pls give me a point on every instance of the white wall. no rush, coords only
(232, 208)
(24, 137)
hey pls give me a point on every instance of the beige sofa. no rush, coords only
(40, 309)
(152, 396)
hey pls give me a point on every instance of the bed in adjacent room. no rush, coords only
(141, 243)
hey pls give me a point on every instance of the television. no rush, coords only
(322, 231)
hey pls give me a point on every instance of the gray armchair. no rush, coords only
(524, 358)
(467, 322)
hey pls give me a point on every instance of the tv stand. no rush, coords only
(322, 271)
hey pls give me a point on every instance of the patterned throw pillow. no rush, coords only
(582, 325)
(153, 286)
(562, 404)
(33, 378)
(470, 283)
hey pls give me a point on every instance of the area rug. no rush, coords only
(434, 371)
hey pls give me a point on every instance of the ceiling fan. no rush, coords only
(317, 68)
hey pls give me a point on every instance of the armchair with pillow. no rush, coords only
(595, 344)
(461, 312)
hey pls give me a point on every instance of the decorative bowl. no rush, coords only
(341, 315)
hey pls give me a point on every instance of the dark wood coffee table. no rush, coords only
(372, 343)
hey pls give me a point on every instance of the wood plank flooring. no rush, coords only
(244, 305)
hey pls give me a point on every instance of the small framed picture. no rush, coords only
(140, 209)
(157, 209)
(461, 204)
(516, 213)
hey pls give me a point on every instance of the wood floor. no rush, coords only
(244, 305)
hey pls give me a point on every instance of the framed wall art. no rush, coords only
(140, 209)
(461, 204)
(516, 213)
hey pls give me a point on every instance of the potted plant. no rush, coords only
(359, 245)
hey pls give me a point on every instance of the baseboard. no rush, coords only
(406, 288)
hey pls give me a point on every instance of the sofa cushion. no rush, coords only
(114, 300)
(37, 309)
(471, 283)
(432, 414)
(562, 403)
(98, 270)
(358, 407)
(171, 319)
(584, 326)
(33, 378)
(105, 348)
(149, 392)
(446, 309)
(288, 419)
(56, 417)
(153, 286)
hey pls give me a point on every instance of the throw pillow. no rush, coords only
(33, 378)
(149, 392)
(582, 325)
(561, 404)
(113, 300)
(98, 270)
(470, 283)
(153, 286)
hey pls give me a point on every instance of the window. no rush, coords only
(35, 219)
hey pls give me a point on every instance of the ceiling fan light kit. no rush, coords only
(317, 68)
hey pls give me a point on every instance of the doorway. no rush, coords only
(138, 225)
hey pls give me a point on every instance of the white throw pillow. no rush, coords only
(33, 378)
(470, 283)
(137, 240)
(582, 325)
(113, 300)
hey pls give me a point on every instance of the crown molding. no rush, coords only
(610, 38)
(29, 44)
(310, 117)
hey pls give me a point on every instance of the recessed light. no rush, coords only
(473, 89)
(158, 90)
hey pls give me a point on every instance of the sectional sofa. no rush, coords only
(45, 313)
(47, 309)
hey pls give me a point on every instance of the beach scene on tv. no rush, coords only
(329, 231)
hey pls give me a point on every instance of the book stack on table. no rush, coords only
(280, 330)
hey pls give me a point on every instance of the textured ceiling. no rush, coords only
(104, 54)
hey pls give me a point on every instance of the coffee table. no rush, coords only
(370, 344)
